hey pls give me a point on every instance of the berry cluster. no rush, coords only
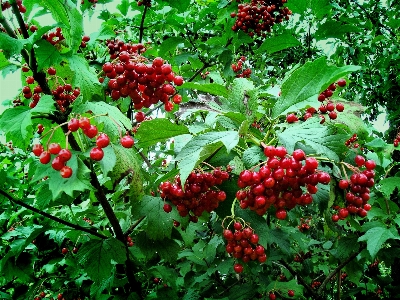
(145, 84)
(6, 5)
(327, 106)
(90, 1)
(243, 244)
(358, 189)
(279, 182)
(351, 142)
(237, 68)
(259, 16)
(315, 284)
(144, 3)
(85, 39)
(129, 241)
(304, 224)
(396, 141)
(198, 194)
(54, 37)
(115, 47)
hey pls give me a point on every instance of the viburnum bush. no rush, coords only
(196, 150)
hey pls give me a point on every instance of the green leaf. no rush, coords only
(9, 45)
(46, 54)
(166, 248)
(211, 88)
(278, 43)
(3, 61)
(79, 181)
(201, 147)
(304, 85)
(238, 94)
(375, 237)
(110, 114)
(334, 29)
(252, 156)
(317, 7)
(65, 12)
(321, 138)
(84, 77)
(99, 256)
(159, 223)
(123, 7)
(170, 45)
(109, 160)
(16, 122)
(158, 130)
(180, 5)
(388, 185)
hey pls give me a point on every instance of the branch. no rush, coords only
(141, 28)
(299, 278)
(338, 268)
(20, 20)
(51, 217)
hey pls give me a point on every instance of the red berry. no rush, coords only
(370, 164)
(51, 71)
(59, 296)
(64, 250)
(343, 213)
(291, 118)
(42, 294)
(177, 99)
(272, 296)
(75, 250)
(127, 141)
(359, 160)
(65, 155)
(45, 157)
(237, 225)
(54, 148)
(168, 106)
(335, 218)
(167, 208)
(84, 123)
(367, 207)
(343, 184)
(290, 293)
(73, 125)
(178, 80)
(238, 268)
(321, 97)
(102, 140)
(339, 107)
(96, 154)
(140, 116)
(332, 115)
(330, 106)
(228, 235)
(66, 172)
(299, 154)
(91, 132)
(37, 149)
(57, 163)
(281, 214)
(30, 80)
(341, 82)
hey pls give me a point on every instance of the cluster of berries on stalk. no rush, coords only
(94, 2)
(199, 193)
(238, 68)
(279, 182)
(129, 241)
(357, 189)
(62, 156)
(64, 95)
(54, 38)
(326, 107)
(6, 5)
(396, 141)
(145, 83)
(243, 244)
(352, 142)
(304, 224)
(258, 16)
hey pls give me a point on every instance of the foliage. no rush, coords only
(179, 152)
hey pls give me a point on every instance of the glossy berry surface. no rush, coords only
(96, 154)
(102, 140)
(127, 141)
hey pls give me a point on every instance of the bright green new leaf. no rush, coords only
(46, 54)
(98, 257)
(123, 7)
(158, 130)
(278, 43)
(211, 88)
(170, 45)
(375, 237)
(9, 45)
(304, 85)
(320, 137)
(334, 29)
(318, 7)
(201, 147)
(109, 160)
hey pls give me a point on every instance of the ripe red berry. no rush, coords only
(272, 296)
(291, 118)
(64, 250)
(339, 107)
(73, 125)
(343, 184)
(367, 207)
(359, 160)
(167, 208)
(96, 154)
(42, 294)
(332, 115)
(66, 172)
(91, 132)
(177, 99)
(65, 155)
(341, 82)
(321, 97)
(45, 157)
(30, 80)
(51, 71)
(37, 149)
(57, 163)
(178, 80)
(343, 213)
(238, 268)
(281, 214)
(335, 218)
(330, 106)
(228, 235)
(237, 225)
(370, 164)
(290, 293)
(84, 123)
(102, 140)
(59, 296)
(75, 250)
(298, 154)
(127, 141)
(139, 116)
(54, 148)
(168, 106)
